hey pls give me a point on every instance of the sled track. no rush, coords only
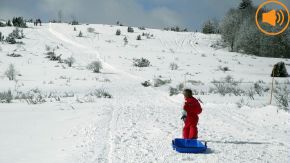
(118, 138)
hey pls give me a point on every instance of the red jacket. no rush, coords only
(192, 108)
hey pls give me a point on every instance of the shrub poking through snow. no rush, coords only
(6, 97)
(15, 34)
(100, 93)
(14, 55)
(11, 72)
(173, 66)
(173, 91)
(146, 83)
(75, 29)
(241, 103)
(125, 40)
(142, 28)
(96, 66)
(180, 87)
(224, 69)
(279, 70)
(80, 34)
(281, 95)
(118, 32)
(139, 37)
(227, 85)
(130, 30)
(34, 96)
(91, 30)
(142, 62)
(47, 48)
(159, 82)
(10, 40)
(258, 88)
(70, 61)
(53, 57)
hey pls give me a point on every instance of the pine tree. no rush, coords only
(208, 27)
(9, 23)
(246, 4)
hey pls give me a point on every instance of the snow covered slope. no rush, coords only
(138, 123)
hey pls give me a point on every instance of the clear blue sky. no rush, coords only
(153, 13)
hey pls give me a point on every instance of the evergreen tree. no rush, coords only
(208, 27)
(19, 22)
(246, 4)
(9, 23)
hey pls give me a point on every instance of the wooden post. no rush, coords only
(272, 90)
(272, 86)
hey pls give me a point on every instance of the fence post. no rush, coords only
(272, 90)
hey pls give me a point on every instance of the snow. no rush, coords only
(138, 123)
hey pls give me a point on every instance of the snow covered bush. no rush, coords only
(14, 55)
(53, 57)
(11, 72)
(281, 95)
(118, 32)
(125, 40)
(80, 34)
(146, 83)
(130, 30)
(142, 62)
(157, 82)
(219, 44)
(224, 69)
(259, 88)
(10, 40)
(96, 66)
(251, 93)
(15, 34)
(34, 96)
(227, 85)
(91, 30)
(141, 28)
(173, 66)
(100, 93)
(173, 91)
(2, 24)
(180, 86)
(70, 61)
(241, 103)
(6, 97)
(47, 48)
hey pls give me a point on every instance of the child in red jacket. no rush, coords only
(190, 115)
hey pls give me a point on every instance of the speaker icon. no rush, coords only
(275, 14)
(273, 17)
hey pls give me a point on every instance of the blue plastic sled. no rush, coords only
(188, 146)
